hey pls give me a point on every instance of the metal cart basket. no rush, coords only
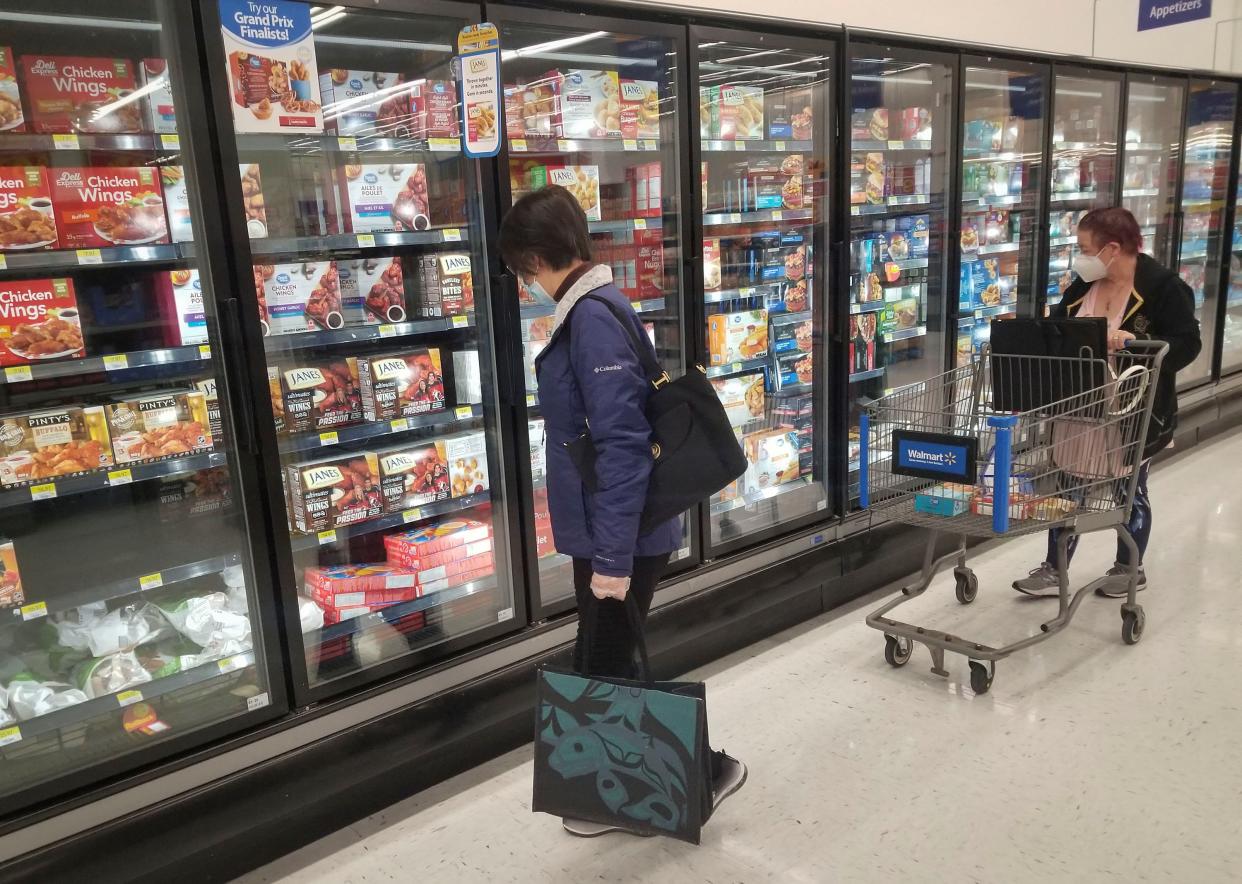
(1009, 445)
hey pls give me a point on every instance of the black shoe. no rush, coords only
(1119, 582)
(588, 829)
(731, 777)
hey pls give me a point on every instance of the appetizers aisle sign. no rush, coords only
(478, 48)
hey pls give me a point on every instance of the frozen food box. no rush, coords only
(334, 492)
(712, 278)
(791, 333)
(372, 290)
(11, 593)
(277, 397)
(740, 111)
(343, 586)
(108, 206)
(789, 114)
(537, 105)
(537, 437)
(438, 543)
(53, 443)
(644, 182)
(321, 395)
(39, 321)
(916, 124)
(184, 289)
(401, 384)
(300, 297)
(869, 124)
(590, 104)
(772, 457)
(69, 94)
(742, 396)
(215, 418)
(12, 119)
(514, 127)
(792, 369)
(947, 499)
(157, 426)
(640, 109)
(794, 297)
(387, 196)
(581, 181)
(176, 203)
(649, 265)
(26, 218)
(273, 76)
(467, 463)
(467, 377)
(735, 337)
(413, 474)
(447, 284)
(434, 106)
(153, 77)
(452, 567)
(898, 316)
(365, 103)
(253, 202)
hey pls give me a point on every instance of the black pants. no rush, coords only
(612, 652)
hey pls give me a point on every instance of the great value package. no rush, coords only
(387, 196)
(299, 297)
(372, 290)
(365, 102)
(273, 78)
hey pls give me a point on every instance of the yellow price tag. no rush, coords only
(116, 362)
(651, 144)
(779, 145)
(629, 144)
(518, 145)
(228, 664)
(326, 537)
(460, 321)
(464, 412)
(17, 373)
(400, 425)
(4, 263)
(562, 145)
(170, 142)
(65, 141)
(34, 610)
(366, 241)
(444, 144)
(777, 215)
(896, 145)
(640, 223)
(452, 234)
(347, 143)
(128, 698)
(90, 256)
(735, 217)
(530, 400)
(739, 145)
(204, 351)
(120, 477)
(855, 210)
(387, 331)
(151, 581)
(329, 438)
(411, 515)
(10, 735)
(737, 366)
(746, 292)
(46, 491)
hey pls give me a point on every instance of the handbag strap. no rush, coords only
(656, 375)
(636, 628)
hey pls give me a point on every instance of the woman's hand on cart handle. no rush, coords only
(1117, 340)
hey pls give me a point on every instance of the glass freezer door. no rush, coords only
(1205, 189)
(130, 623)
(370, 287)
(1084, 166)
(762, 111)
(1231, 336)
(901, 126)
(1002, 168)
(594, 108)
(1152, 151)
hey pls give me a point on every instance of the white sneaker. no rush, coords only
(1041, 583)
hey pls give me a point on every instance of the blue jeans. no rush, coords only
(1139, 525)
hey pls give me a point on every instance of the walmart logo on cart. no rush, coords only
(942, 458)
(934, 455)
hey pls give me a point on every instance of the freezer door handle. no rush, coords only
(512, 387)
(239, 398)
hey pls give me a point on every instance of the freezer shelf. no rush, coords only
(461, 417)
(720, 507)
(48, 489)
(116, 362)
(66, 260)
(790, 146)
(348, 242)
(420, 513)
(392, 613)
(312, 144)
(362, 333)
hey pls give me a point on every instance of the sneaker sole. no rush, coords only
(1117, 593)
(1048, 592)
(720, 799)
(608, 831)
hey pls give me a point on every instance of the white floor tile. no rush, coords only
(1088, 761)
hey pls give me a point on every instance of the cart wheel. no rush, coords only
(967, 585)
(1132, 625)
(981, 677)
(897, 651)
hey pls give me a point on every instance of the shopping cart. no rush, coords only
(1004, 446)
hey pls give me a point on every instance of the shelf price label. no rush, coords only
(170, 141)
(777, 215)
(739, 145)
(258, 701)
(651, 144)
(4, 262)
(629, 143)
(34, 610)
(10, 735)
(347, 142)
(735, 217)
(460, 321)
(464, 412)
(517, 145)
(444, 144)
(116, 362)
(89, 256)
(896, 145)
(387, 331)
(65, 141)
(17, 373)
(120, 477)
(779, 145)
(530, 400)
(413, 515)
(204, 351)
(640, 223)
(366, 240)
(128, 698)
(400, 425)
(228, 664)
(151, 581)
(326, 537)
(452, 234)
(563, 146)
(46, 491)
(737, 366)
(329, 438)
(855, 210)
(504, 614)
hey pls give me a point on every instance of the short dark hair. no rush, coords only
(1113, 224)
(547, 224)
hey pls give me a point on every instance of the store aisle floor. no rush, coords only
(1088, 760)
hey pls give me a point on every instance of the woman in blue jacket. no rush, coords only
(591, 377)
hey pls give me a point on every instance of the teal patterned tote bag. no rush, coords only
(627, 753)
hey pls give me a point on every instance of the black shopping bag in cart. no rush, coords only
(1025, 379)
(627, 753)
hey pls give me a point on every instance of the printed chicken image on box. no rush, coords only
(273, 77)
(321, 395)
(300, 297)
(108, 206)
(11, 593)
(401, 384)
(334, 492)
(742, 396)
(581, 181)
(39, 321)
(80, 94)
(211, 395)
(27, 221)
(590, 104)
(54, 443)
(467, 461)
(434, 107)
(186, 290)
(153, 77)
(277, 397)
(734, 337)
(447, 285)
(252, 200)
(640, 108)
(157, 426)
(12, 119)
(363, 103)
(438, 543)
(413, 475)
(372, 290)
(740, 111)
(387, 196)
(772, 457)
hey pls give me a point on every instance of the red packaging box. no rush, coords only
(26, 217)
(369, 598)
(101, 206)
(435, 109)
(401, 384)
(430, 540)
(381, 582)
(544, 545)
(11, 117)
(320, 395)
(404, 553)
(649, 264)
(39, 321)
(67, 94)
(645, 183)
(515, 126)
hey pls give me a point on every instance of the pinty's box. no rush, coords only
(159, 426)
(53, 444)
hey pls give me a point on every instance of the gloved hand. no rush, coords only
(604, 587)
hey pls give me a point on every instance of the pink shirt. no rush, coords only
(1093, 305)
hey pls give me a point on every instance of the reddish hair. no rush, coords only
(1113, 224)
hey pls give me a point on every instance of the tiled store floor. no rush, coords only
(1088, 761)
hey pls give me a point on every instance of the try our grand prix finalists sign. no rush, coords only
(935, 455)
(1162, 13)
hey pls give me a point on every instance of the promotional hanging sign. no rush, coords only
(478, 48)
(1162, 13)
(273, 78)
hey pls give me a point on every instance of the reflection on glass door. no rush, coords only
(1205, 188)
(366, 235)
(1002, 165)
(1231, 338)
(596, 111)
(900, 130)
(1084, 166)
(762, 109)
(1153, 145)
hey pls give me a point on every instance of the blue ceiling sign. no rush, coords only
(1162, 13)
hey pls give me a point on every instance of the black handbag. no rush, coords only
(1080, 346)
(696, 453)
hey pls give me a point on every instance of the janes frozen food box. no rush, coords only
(742, 396)
(412, 475)
(39, 321)
(11, 117)
(365, 102)
(153, 76)
(51, 444)
(447, 285)
(640, 109)
(590, 104)
(273, 77)
(434, 107)
(321, 394)
(734, 337)
(581, 181)
(211, 395)
(300, 297)
(184, 294)
(467, 463)
(372, 290)
(740, 111)
(334, 492)
(387, 196)
(157, 426)
(26, 217)
(401, 384)
(80, 94)
(108, 206)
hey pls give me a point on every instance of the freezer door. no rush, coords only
(132, 624)
(369, 291)
(1231, 332)
(1152, 152)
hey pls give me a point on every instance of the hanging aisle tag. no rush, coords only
(478, 48)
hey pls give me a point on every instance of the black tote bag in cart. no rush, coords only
(1018, 384)
(633, 754)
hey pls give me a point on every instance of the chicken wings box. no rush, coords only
(334, 492)
(38, 321)
(51, 444)
(108, 206)
(157, 426)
